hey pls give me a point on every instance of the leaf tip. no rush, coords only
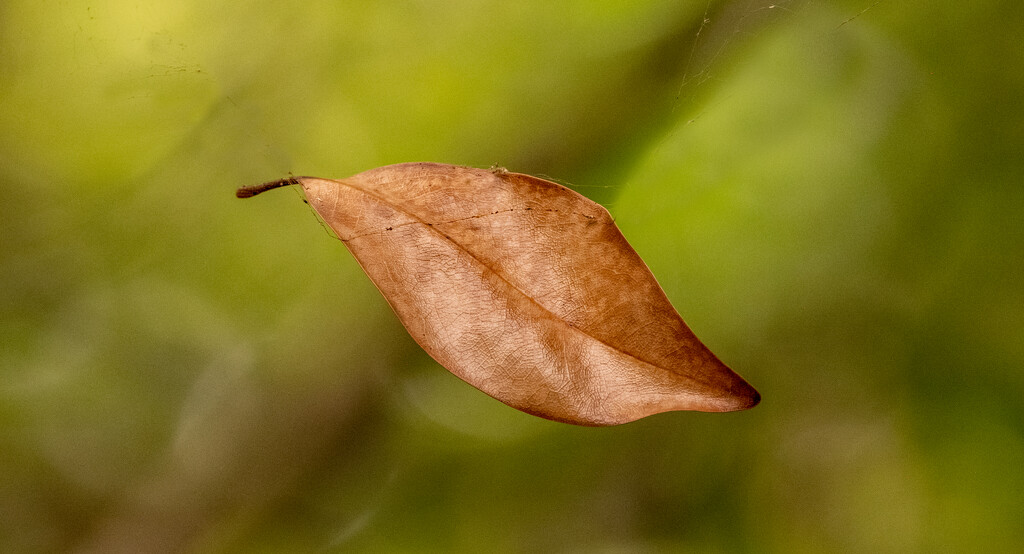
(753, 400)
(743, 397)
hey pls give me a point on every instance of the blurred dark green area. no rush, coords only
(830, 193)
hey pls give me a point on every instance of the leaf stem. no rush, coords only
(253, 190)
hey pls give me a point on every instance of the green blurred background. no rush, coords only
(830, 193)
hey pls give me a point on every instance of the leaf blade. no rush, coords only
(526, 290)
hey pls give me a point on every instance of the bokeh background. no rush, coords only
(829, 192)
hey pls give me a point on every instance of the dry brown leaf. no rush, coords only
(525, 289)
